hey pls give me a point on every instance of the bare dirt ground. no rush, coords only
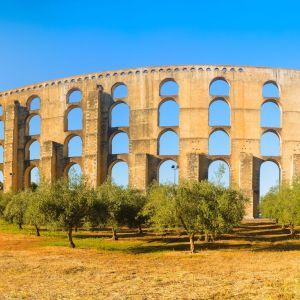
(257, 262)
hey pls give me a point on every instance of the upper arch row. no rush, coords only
(168, 87)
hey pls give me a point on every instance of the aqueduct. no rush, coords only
(51, 104)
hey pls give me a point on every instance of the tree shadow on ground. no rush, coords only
(250, 236)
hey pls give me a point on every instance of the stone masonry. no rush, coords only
(245, 100)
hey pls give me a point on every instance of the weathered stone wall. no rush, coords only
(245, 100)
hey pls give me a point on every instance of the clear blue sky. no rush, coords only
(43, 40)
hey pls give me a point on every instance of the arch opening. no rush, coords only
(1, 181)
(219, 143)
(219, 113)
(74, 174)
(35, 104)
(169, 113)
(219, 173)
(1, 154)
(119, 173)
(1, 130)
(269, 177)
(169, 87)
(75, 119)
(120, 143)
(168, 143)
(168, 172)
(75, 146)
(270, 90)
(34, 177)
(270, 115)
(34, 150)
(120, 91)
(74, 96)
(269, 144)
(219, 87)
(120, 115)
(34, 125)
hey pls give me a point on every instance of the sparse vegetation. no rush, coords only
(282, 203)
(173, 217)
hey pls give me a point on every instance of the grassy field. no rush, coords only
(256, 261)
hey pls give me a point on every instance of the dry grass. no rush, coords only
(255, 262)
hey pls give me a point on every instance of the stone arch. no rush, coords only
(168, 142)
(32, 176)
(1, 154)
(168, 113)
(73, 173)
(269, 175)
(73, 118)
(1, 180)
(119, 143)
(32, 150)
(119, 172)
(219, 142)
(168, 171)
(73, 146)
(33, 103)
(219, 112)
(1, 130)
(270, 144)
(270, 89)
(168, 87)
(119, 90)
(74, 95)
(213, 170)
(219, 86)
(270, 114)
(119, 114)
(33, 124)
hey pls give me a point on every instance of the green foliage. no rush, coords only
(15, 209)
(118, 207)
(4, 199)
(67, 205)
(36, 211)
(195, 206)
(283, 204)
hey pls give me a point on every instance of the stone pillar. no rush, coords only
(10, 169)
(197, 166)
(50, 161)
(295, 166)
(143, 170)
(91, 138)
(249, 182)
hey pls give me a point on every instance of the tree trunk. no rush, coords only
(114, 234)
(206, 239)
(37, 230)
(76, 229)
(140, 231)
(70, 237)
(192, 243)
(20, 226)
(292, 231)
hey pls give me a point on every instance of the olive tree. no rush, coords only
(15, 209)
(196, 207)
(36, 213)
(131, 209)
(283, 204)
(67, 206)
